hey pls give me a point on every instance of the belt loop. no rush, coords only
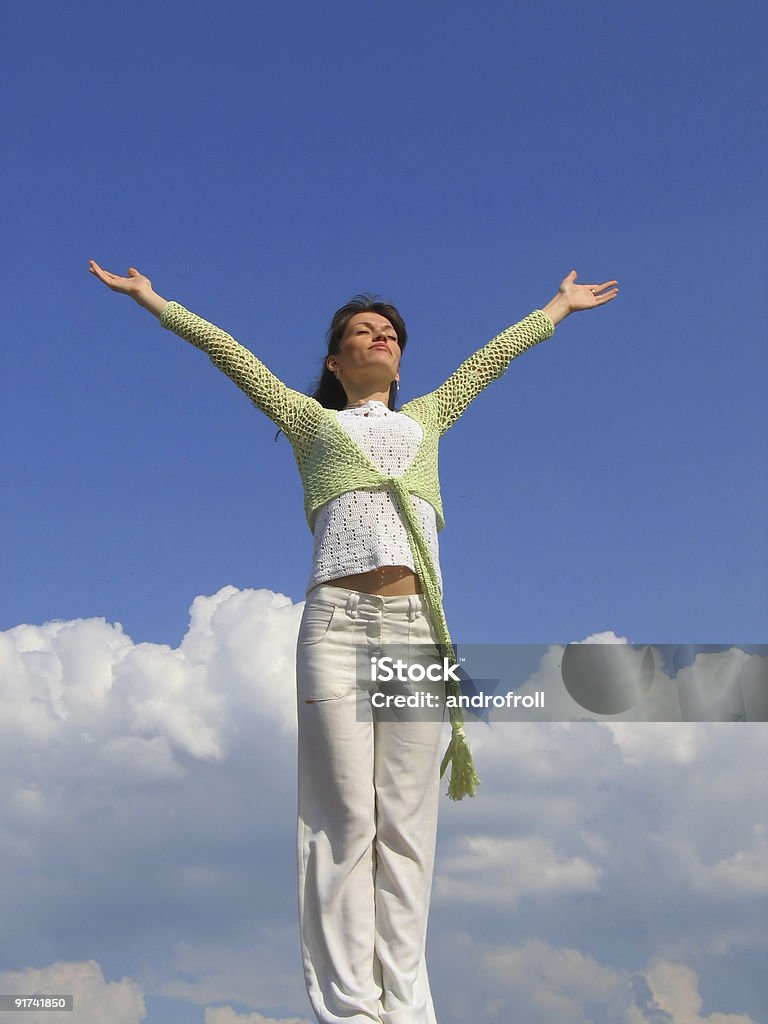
(352, 602)
(414, 607)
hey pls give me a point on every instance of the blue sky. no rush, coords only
(262, 163)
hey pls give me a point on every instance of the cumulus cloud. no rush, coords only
(147, 810)
(566, 827)
(145, 708)
(135, 778)
(538, 982)
(559, 984)
(675, 991)
(583, 680)
(482, 869)
(95, 1000)
(535, 980)
(226, 1015)
(745, 870)
(607, 678)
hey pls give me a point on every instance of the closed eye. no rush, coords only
(362, 329)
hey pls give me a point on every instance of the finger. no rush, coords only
(112, 281)
(133, 272)
(101, 274)
(597, 289)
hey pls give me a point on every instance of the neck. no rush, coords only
(360, 398)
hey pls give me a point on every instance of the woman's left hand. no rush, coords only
(572, 297)
(587, 296)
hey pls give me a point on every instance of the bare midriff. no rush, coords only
(387, 581)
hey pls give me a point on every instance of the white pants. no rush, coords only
(368, 796)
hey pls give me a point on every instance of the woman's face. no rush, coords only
(369, 341)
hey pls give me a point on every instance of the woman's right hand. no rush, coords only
(136, 285)
(135, 282)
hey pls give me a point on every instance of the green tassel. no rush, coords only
(464, 780)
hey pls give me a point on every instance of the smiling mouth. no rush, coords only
(381, 345)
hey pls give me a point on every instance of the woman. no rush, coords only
(368, 786)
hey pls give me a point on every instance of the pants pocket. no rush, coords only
(315, 622)
(322, 653)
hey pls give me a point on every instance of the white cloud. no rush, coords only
(142, 708)
(147, 799)
(532, 981)
(558, 983)
(537, 982)
(95, 999)
(744, 870)
(675, 988)
(721, 686)
(639, 742)
(571, 678)
(607, 636)
(486, 870)
(226, 1015)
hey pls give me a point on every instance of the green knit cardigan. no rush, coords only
(330, 463)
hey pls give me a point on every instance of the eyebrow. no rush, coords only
(370, 323)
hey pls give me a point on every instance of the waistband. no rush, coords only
(356, 602)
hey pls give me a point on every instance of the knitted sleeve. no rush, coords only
(281, 403)
(486, 365)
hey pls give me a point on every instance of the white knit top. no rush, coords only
(363, 530)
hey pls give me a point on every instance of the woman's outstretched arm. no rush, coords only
(282, 404)
(453, 397)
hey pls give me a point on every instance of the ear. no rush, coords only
(330, 364)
